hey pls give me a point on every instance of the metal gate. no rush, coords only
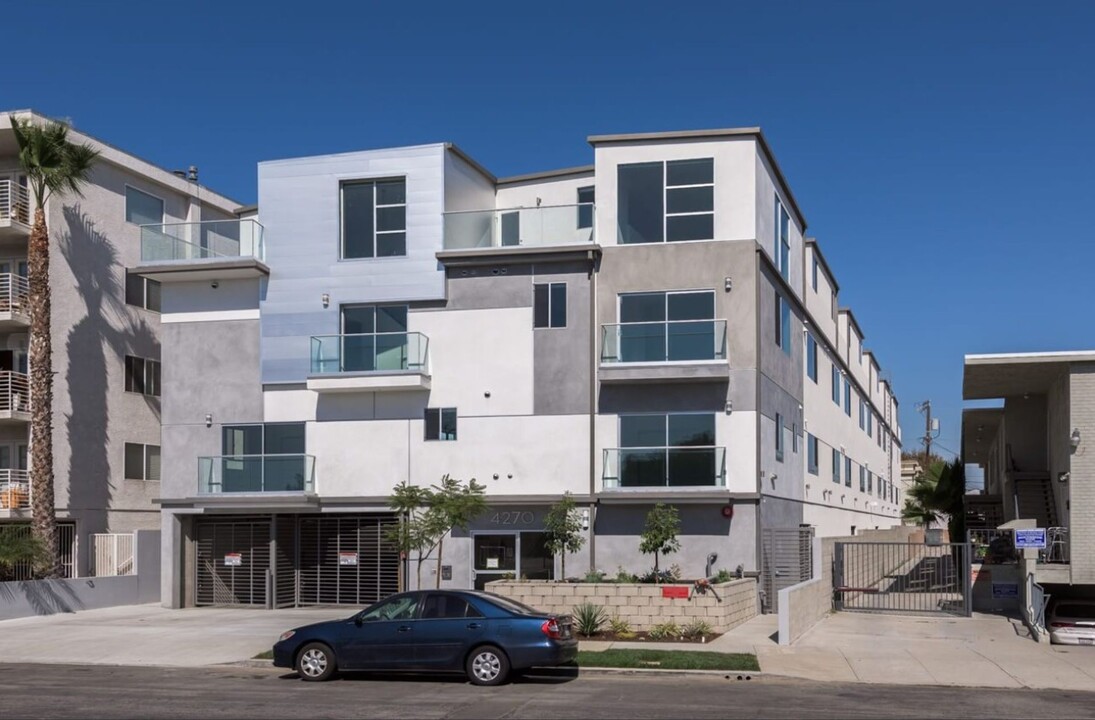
(233, 561)
(344, 560)
(904, 578)
(787, 559)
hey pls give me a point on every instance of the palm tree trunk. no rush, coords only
(41, 394)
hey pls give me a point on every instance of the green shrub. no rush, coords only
(589, 618)
(594, 576)
(623, 576)
(620, 627)
(665, 631)
(698, 628)
(723, 575)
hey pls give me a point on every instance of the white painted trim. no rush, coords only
(210, 316)
(1003, 358)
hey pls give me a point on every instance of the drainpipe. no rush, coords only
(592, 409)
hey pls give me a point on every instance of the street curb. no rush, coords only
(731, 674)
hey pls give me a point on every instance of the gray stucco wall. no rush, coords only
(562, 367)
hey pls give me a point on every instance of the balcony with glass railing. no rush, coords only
(15, 210)
(370, 362)
(522, 227)
(202, 243)
(256, 474)
(664, 467)
(669, 351)
(14, 493)
(14, 302)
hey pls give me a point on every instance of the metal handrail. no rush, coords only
(15, 489)
(14, 293)
(14, 392)
(14, 202)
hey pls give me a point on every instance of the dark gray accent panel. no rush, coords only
(663, 398)
(561, 356)
(785, 370)
(779, 513)
(489, 286)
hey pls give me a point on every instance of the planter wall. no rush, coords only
(642, 606)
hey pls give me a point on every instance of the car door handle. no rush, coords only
(474, 626)
(404, 628)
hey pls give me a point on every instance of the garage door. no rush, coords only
(343, 560)
(233, 560)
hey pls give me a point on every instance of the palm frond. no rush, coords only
(52, 163)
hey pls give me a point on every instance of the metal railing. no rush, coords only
(14, 293)
(202, 241)
(519, 227)
(370, 352)
(663, 342)
(14, 203)
(992, 546)
(113, 554)
(664, 467)
(14, 489)
(14, 392)
(1057, 546)
(256, 474)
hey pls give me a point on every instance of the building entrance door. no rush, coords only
(519, 555)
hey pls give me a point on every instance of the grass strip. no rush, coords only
(264, 655)
(668, 660)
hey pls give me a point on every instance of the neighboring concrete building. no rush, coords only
(1032, 452)
(651, 328)
(106, 340)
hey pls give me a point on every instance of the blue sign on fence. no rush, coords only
(1002, 591)
(1034, 539)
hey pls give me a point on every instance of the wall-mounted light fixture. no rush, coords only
(728, 284)
(209, 419)
(729, 407)
(326, 297)
(1063, 477)
(215, 284)
(585, 518)
(1074, 439)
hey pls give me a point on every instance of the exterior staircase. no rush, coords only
(1034, 498)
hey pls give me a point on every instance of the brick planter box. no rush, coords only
(642, 606)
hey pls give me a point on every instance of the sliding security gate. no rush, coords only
(787, 559)
(345, 560)
(903, 578)
(233, 561)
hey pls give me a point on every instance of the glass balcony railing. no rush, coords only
(659, 342)
(202, 241)
(664, 467)
(375, 352)
(519, 227)
(256, 474)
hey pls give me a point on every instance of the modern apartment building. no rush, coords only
(106, 340)
(654, 327)
(1032, 450)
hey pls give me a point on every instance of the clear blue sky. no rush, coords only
(942, 152)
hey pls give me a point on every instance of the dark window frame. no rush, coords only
(552, 301)
(147, 452)
(376, 233)
(585, 207)
(435, 421)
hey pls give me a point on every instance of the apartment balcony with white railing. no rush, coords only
(14, 493)
(191, 251)
(664, 351)
(14, 397)
(14, 302)
(15, 210)
(522, 227)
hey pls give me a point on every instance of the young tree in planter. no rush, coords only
(54, 166)
(563, 530)
(455, 505)
(660, 534)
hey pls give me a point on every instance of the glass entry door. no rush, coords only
(520, 555)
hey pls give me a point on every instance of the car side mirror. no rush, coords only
(357, 620)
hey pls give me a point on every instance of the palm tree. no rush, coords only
(53, 165)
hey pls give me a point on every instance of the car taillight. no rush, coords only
(551, 629)
(1062, 624)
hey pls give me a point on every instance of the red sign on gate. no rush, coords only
(675, 591)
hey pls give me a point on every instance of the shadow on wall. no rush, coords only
(45, 597)
(105, 334)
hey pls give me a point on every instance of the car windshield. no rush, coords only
(398, 608)
(511, 605)
(1084, 612)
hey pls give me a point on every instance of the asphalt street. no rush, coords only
(72, 691)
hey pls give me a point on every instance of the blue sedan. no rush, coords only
(482, 635)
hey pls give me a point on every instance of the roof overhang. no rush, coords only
(979, 427)
(195, 270)
(987, 377)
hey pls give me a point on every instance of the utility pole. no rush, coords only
(930, 426)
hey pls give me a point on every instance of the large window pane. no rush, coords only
(692, 467)
(358, 320)
(152, 463)
(691, 429)
(241, 440)
(540, 316)
(391, 318)
(558, 305)
(393, 244)
(691, 306)
(642, 468)
(357, 220)
(433, 424)
(642, 307)
(448, 424)
(640, 203)
(152, 297)
(134, 461)
(690, 172)
(643, 342)
(692, 199)
(642, 431)
(142, 208)
(284, 439)
(585, 208)
(689, 227)
(391, 192)
(134, 289)
(690, 340)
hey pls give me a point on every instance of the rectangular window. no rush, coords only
(510, 228)
(862, 415)
(783, 240)
(811, 454)
(836, 385)
(374, 218)
(848, 397)
(862, 479)
(585, 207)
(440, 423)
(836, 466)
(779, 437)
(847, 471)
(142, 292)
(794, 438)
(675, 449)
(833, 304)
(374, 337)
(666, 201)
(142, 376)
(870, 481)
(142, 462)
(549, 305)
(870, 416)
(668, 327)
(142, 208)
(811, 357)
(783, 323)
(813, 273)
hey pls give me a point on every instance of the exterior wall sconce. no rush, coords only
(729, 407)
(326, 300)
(585, 518)
(1063, 477)
(1074, 439)
(209, 419)
(728, 284)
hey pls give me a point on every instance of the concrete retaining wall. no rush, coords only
(641, 605)
(803, 605)
(47, 597)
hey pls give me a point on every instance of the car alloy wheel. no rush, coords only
(313, 662)
(486, 666)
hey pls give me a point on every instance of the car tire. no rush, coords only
(487, 665)
(316, 662)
